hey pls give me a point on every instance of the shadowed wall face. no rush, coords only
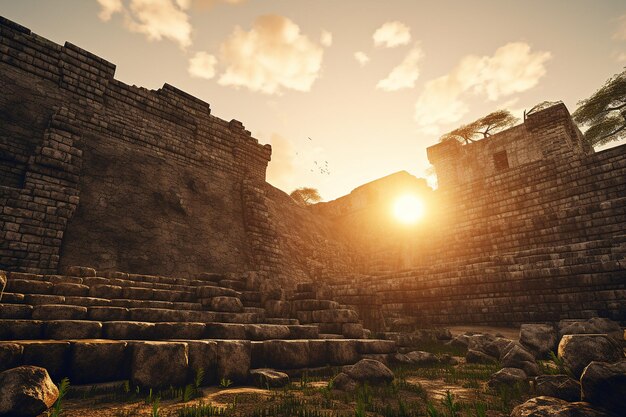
(96, 172)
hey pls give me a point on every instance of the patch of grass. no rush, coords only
(225, 383)
(63, 388)
(202, 410)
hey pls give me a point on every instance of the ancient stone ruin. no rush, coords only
(222, 271)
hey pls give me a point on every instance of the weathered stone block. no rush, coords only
(233, 360)
(99, 361)
(159, 364)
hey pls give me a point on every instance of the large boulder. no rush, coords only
(508, 377)
(595, 325)
(555, 407)
(604, 384)
(539, 339)
(26, 391)
(520, 358)
(369, 371)
(269, 378)
(579, 350)
(558, 386)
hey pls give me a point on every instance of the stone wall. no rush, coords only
(94, 171)
(540, 240)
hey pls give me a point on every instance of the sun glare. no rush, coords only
(408, 209)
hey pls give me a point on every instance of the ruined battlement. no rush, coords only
(80, 150)
(526, 225)
(548, 133)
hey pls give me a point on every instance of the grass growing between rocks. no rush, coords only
(439, 390)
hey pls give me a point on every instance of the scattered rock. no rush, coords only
(421, 358)
(26, 391)
(518, 357)
(269, 378)
(460, 341)
(594, 325)
(579, 350)
(448, 360)
(343, 382)
(539, 339)
(370, 371)
(475, 356)
(604, 384)
(558, 386)
(483, 343)
(554, 407)
(508, 377)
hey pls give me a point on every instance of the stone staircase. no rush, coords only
(74, 323)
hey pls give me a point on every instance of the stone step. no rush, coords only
(37, 299)
(141, 330)
(313, 304)
(97, 289)
(328, 316)
(141, 362)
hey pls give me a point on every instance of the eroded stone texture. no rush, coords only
(159, 364)
(578, 351)
(26, 391)
(604, 385)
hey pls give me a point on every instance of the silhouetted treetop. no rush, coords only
(604, 113)
(482, 128)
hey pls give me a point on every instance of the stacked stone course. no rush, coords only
(70, 324)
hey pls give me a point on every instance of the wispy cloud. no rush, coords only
(620, 32)
(326, 39)
(202, 65)
(156, 19)
(361, 58)
(273, 55)
(392, 34)
(108, 8)
(513, 68)
(405, 74)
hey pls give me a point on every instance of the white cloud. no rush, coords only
(108, 8)
(156, 19)
(271, 56)
(202, 65)
(405, 74)
(620, 33)
(392, 34)
(362, 58)
(513, 68)
(326, 39)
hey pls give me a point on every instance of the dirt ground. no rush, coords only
(432, 391)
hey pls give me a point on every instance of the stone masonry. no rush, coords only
(526, 226)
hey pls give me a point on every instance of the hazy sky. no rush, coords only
(371, 83)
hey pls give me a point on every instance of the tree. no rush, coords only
(541, 106)
(305, 196)
(604, 113)
(485, 126)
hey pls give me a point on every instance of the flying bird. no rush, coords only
(309, 138)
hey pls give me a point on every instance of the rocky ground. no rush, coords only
(570, 369)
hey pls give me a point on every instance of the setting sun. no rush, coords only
(408, 208)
